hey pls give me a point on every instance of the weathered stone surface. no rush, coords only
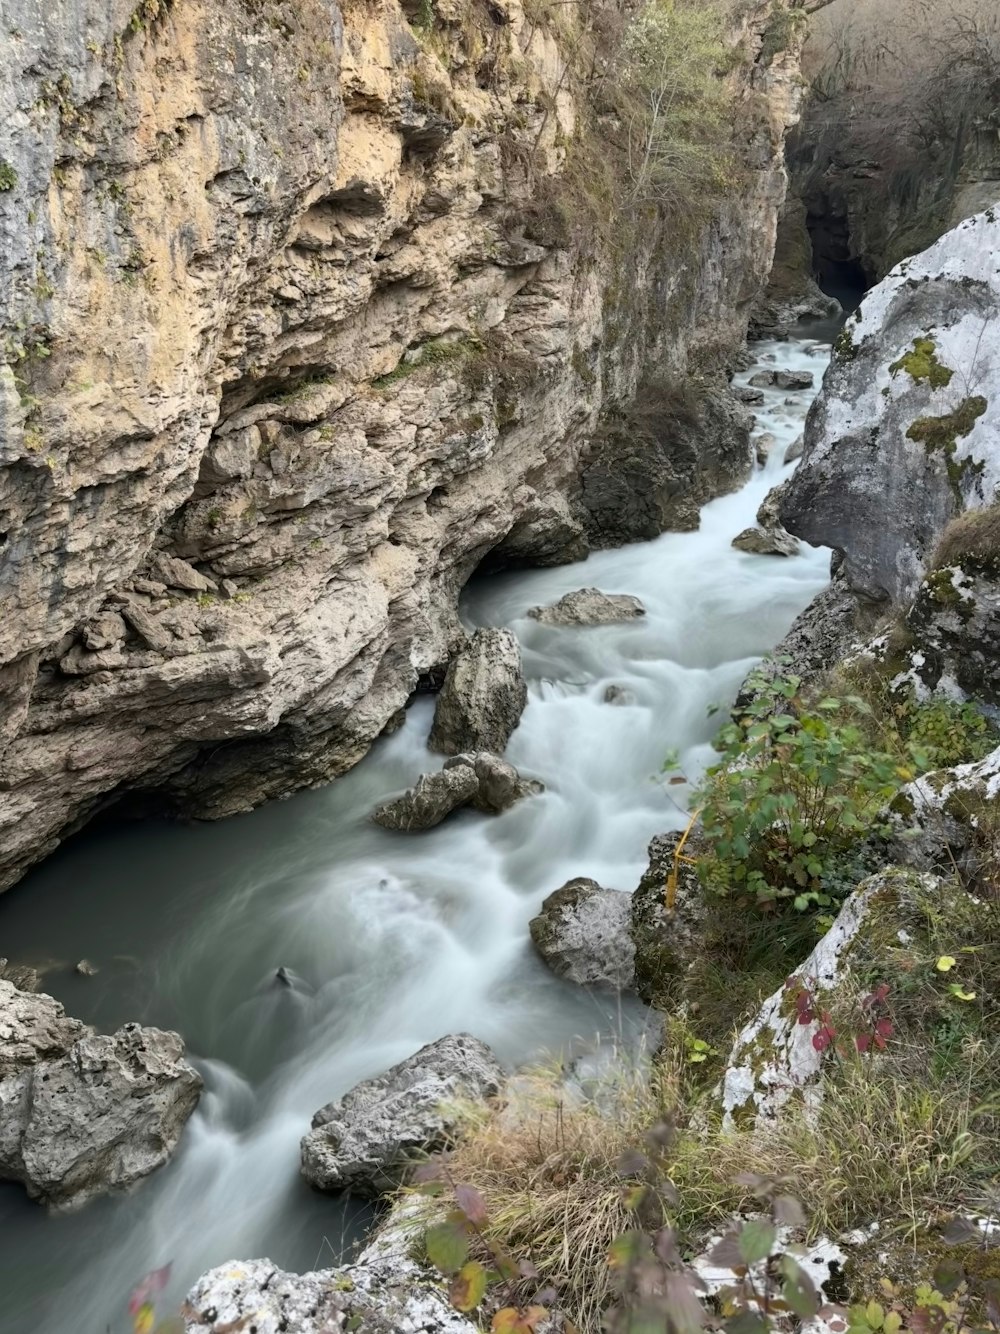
(782, 380)
(589, 606)
(500, 785)
(769, 539)
(821, 635)
(942, 821)
(366, 1141)
(751, 397)
(655, 466)
(377, 1296)
(331, 352)
(433, 798)
(484, 781)
(666, 938)
(761, 542)
(20, 975)
(794, 451)
(483, 696)
(583, 933)
(904, 434)
(80, 1113)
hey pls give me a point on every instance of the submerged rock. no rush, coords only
(589, 606)
(484, 781)
(366, 1141)
(621, 695)
(483, 696)
(583, 934)
(80, 1113)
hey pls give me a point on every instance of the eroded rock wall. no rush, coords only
(295, 342)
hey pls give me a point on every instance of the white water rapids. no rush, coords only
(397, 938)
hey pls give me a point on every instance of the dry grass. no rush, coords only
(548, 1168)
(974, 535)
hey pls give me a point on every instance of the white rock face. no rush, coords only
(82, 1114)
(365, 1142)
(483, 696)
(905, 433)
(589, 606)
(774, 1058)
(390, 1296)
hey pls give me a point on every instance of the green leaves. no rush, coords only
(756, 1240)
(447, 1246)
(796, 788)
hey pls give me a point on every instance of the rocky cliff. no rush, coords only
(311, 311)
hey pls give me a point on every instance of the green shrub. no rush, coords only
(8, 176)
(796, 791)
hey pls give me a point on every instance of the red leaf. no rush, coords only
(806, 1016)
(884, 1028)
(864, 1041)
(879, 1041)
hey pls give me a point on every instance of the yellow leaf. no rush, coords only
(945, 964)
(893, 1323)
(468, 1286)
(144, 1319)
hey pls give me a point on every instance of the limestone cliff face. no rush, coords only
(295, 343)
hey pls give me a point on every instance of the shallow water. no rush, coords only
(395, 939)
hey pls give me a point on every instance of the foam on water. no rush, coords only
(390, 940)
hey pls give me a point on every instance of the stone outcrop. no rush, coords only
(366, 1141)
(483, 696)
(778, 379)
(483, 781)
(80, 1113)
(885, 930)
(589, 606)
(903, 436)
(582, 931)
(300, 332)
(385, 1292)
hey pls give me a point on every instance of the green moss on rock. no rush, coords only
(921, 363)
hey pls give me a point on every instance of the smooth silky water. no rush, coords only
(393, 939)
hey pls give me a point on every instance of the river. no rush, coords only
(396, 939)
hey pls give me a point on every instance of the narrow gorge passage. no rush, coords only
(392, 940)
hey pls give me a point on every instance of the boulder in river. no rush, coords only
(752, 397)
(782, 380)
(483, 696)
(80, 1113)
(589, 606)
(769, 539)
(583, 934)
(794, 450)
(485, 781)
(367, 1140)
(430, 800)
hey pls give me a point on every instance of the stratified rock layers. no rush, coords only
(293, 347)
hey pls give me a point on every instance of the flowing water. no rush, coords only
(394, 939)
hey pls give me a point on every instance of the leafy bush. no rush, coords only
(675, 102)
(796, 790)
